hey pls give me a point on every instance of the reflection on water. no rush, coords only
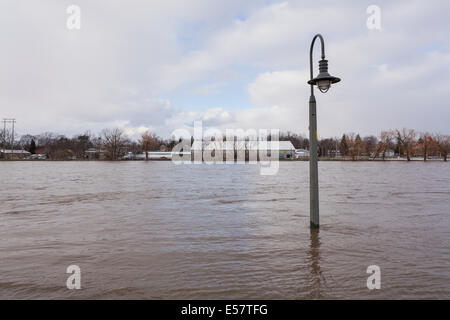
(317, 279)
(155, 230)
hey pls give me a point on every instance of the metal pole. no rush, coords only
(313, 166)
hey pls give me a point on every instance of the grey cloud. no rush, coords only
(127, 60)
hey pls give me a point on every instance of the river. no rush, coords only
(155, 230)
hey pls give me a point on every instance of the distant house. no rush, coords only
(301, 153)
(93, 153)
(13, 154)
(285, 149)
(389, 153)
(153, 155)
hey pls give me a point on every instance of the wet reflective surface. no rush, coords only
(157, 230)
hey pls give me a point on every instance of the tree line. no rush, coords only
(113, 144)
(404, 142)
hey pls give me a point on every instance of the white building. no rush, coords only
(13, 154)
(242, 149)
(153, 155)
(301, 153)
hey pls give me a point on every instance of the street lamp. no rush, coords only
(323, 81)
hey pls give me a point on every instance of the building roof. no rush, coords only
(271, 145)
(94, 150)
(9, 151)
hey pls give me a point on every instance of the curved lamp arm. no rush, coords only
(311, 56)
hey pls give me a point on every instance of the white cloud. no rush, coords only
(128, 62)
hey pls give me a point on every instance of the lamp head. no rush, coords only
(324, 79)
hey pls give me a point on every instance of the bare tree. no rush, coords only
(44, 139)
(80, 143)
(357, 145)
(59, 148)
(327, 147)
(297, 140)
(386, 143)
(426, 141)
(149, 141)
(406, 139)
(369, 145)
(351, 141)
(114, 141)
(4, 138)
(7, 139)
(343, 145)
(25, 141)
(443, 144)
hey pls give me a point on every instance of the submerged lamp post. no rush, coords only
(323, 81)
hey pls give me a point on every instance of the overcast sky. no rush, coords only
(160, 65)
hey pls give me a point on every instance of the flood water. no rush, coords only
(155, 230)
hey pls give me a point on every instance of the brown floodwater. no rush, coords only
(155, 230)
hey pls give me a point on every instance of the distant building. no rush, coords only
(93, 153)
(13, 154)
(243, 149)
(285, 149)
(301, 153)
(161, 155)
(390, 153)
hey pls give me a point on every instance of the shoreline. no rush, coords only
(281, 160)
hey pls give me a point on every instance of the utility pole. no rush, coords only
(4, 134)
(11, 121)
